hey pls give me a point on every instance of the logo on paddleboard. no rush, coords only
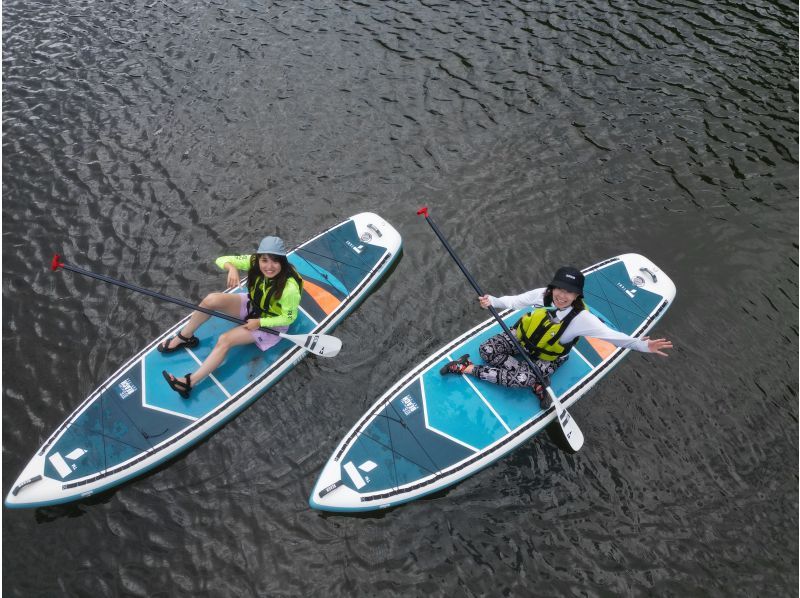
(357, 249)
(62, 467)
(126, 388)
(409, 405)
(629, 292)
(359, 480)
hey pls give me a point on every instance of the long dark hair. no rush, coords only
(287, 270)
(577, 305)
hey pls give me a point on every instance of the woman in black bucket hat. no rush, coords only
(547, 333)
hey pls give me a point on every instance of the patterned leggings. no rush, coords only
(506, 370)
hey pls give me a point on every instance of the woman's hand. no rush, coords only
(485, 302)
(656, 345)
(253, 324)
(233, 275)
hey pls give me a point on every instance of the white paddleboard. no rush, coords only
(134, 421)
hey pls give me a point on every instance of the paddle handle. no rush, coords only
(424, 212)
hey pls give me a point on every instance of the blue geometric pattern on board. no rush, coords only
(584, 348)
(363, 255)
(514, 405)
(602, 316)
(401, 446)
(610, 291)
(570, 373)
(114, 428)
(454, 409)
(314, 272)
(341, 254)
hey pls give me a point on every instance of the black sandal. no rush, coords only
(189, 343)
(456, 367)
(182, 388)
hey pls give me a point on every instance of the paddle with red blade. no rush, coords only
(323, 345)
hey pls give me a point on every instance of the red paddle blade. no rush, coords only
(56, 264)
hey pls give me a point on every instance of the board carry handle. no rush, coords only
(568, 426)
(24, 483)
(323, 345)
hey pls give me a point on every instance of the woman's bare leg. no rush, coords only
(228, 303)
(232, 338)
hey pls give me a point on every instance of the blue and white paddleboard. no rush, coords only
(430, 431)
(134, 421)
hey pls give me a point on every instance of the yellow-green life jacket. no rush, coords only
(539, 335)
(262, 301)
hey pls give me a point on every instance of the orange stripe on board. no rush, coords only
(323, 298)
(603, 348)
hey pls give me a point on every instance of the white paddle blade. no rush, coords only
(571, 430)
(323, 345)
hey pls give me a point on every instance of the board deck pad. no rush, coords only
(430, 431)
(134, 421)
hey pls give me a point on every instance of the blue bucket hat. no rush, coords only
(273, 245)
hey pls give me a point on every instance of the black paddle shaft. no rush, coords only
(126, 285)
(511, 335)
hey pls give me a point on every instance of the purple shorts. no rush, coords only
(263, 340)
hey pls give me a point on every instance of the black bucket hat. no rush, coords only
(569, 279)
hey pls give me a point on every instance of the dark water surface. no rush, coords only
(144, 139)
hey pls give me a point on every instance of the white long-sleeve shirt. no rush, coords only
(584, 324)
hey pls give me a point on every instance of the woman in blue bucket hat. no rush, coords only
(272, 301)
